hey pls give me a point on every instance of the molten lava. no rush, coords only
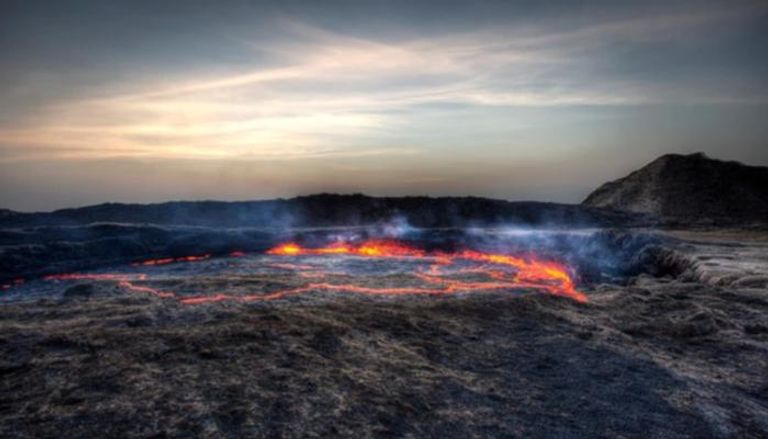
(438, 273)
(530, 272)
(165, 261)
(371, 248)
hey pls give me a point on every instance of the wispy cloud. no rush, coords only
(325, 93)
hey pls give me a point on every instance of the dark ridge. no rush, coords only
(691, 189)
(7, 213)
(322, 210)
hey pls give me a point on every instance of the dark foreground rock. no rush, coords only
(663, 360)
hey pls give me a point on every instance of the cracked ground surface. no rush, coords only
(657, 357)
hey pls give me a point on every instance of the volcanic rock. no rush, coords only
(79, 292)
(691, 189)
(7, 213)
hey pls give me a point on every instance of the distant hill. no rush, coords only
(333, 210)
(7, 213)
(673, 189)
(690, 188)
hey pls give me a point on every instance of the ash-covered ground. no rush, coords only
(673, 342)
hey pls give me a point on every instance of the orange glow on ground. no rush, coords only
(491, 272)
(371, 248)
(165, 261)
(531, 273)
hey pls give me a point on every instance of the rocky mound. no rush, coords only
(690, 188)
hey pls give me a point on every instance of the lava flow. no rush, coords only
(529, 272)
(437, 273)
(165, 261)
(370, 248)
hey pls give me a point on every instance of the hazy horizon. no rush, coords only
(341, 193)
(245, 100)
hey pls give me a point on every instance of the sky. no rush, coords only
(149, 101)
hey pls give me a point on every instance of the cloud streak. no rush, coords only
(328, 91)
(423, 107)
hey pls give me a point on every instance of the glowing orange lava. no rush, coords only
(371, 248)
(487, 271)
(165, 261)
(530, 272)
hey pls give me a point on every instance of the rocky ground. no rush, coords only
(682, 356)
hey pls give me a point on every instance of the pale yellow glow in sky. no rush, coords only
(464, 112)
(329, 91)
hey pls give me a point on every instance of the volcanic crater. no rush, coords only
(359, 262)
(388, 330)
